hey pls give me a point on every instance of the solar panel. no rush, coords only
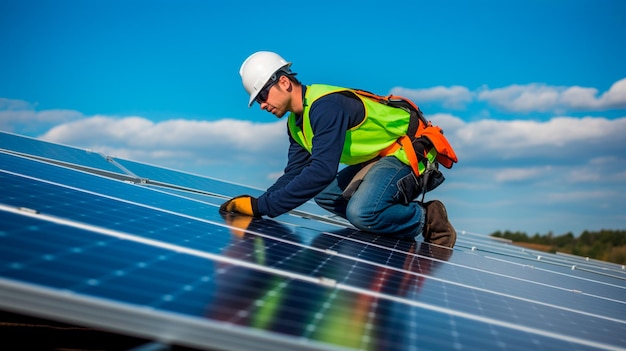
(141, 250)
(34, 148)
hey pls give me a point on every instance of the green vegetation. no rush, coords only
(605, 245)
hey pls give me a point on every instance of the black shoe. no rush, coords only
(438, 229)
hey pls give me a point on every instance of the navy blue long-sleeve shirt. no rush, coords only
(307, 174)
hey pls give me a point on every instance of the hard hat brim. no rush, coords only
(284, 68)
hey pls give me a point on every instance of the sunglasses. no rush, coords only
(265, 92)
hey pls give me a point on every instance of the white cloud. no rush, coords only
(616, 96)
(97, 129)
(177, 141)
(141, 132)
(450, 97)
(580, 196)
(272, 177)
(12, 104)
(561, 137)
(522, 98)
(535, 97)
(22, 117)
(545, 98)
(563, 151)
(518, 174)
(446, 121)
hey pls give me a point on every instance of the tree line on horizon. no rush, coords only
(606, 245)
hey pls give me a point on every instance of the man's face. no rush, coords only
(277, 98)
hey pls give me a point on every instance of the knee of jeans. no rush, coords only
(325, 203)
(360, 217)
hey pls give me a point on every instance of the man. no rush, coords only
(330, 125)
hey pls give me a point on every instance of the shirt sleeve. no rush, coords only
(297, 159)
(306, 175)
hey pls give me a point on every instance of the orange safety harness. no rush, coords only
(423, 143)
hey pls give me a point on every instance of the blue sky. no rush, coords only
(532, 94)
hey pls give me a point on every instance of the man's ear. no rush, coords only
(285, 83)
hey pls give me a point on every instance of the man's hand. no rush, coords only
(244, 204)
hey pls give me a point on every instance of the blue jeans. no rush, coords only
(383, 202)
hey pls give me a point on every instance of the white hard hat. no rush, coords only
(257, 69)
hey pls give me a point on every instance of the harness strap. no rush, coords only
(406, 143)
(418, 166)
(358, 178)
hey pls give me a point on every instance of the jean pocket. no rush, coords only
(408, 189)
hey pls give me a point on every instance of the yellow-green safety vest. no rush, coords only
(380, 128)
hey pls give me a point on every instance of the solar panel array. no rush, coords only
(143, 250)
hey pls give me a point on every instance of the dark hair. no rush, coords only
(287, 73)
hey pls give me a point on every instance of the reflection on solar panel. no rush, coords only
(142, 250)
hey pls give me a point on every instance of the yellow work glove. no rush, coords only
(244, 204)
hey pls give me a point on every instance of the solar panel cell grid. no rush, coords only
(85, 240)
